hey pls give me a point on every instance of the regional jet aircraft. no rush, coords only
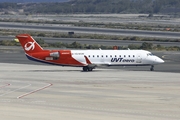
(87, 59)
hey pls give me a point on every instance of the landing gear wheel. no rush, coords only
(90, 69)
(85, 68)
(152, 68)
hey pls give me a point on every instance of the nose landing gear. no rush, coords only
(152, 68)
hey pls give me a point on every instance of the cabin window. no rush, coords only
(133, 55)
(129, 56)
(115, 56)
(124, 55)
(97, 55)
(93, 55)
(110, 55)
(89, 55)
(102, 56)
(106, 55)
(119, 55)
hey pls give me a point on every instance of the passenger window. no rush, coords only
(93, 55)
(106, 55)
(102, 56)
(110, 55)
(119, 55)
(89, 55)
(133, 55)
(129, 56)
(97, 55)
(115, 56)
(124, 55)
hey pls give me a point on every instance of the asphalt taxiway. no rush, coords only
(41, 92)
(30, 90)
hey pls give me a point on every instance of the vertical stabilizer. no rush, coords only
(29, 44)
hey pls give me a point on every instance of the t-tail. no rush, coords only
(29, 44)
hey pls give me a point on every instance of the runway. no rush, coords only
(88, 30)
(42, 92)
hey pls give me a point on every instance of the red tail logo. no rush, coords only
(29, 44)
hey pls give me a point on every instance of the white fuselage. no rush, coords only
(117, 57)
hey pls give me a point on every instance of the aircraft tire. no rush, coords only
(85, 68)
(90, 69)
(152, 68)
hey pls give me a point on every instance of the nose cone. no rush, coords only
(158, 60)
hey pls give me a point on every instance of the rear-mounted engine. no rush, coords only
(53, 56)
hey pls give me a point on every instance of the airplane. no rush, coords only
(87, 59)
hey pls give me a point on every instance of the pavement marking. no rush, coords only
(5, 85)
(21, 96)
(15, 90)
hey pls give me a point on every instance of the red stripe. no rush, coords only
(5, 85)
(34, 91)
(87, 60)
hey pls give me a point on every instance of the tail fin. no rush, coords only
(29, 44)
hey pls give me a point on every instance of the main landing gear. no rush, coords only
(86, 68)
(152, 68)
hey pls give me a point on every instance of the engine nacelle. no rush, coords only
(55, 54)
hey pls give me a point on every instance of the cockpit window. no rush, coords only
(150, 54)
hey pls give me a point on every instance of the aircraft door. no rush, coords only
(139, 58)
